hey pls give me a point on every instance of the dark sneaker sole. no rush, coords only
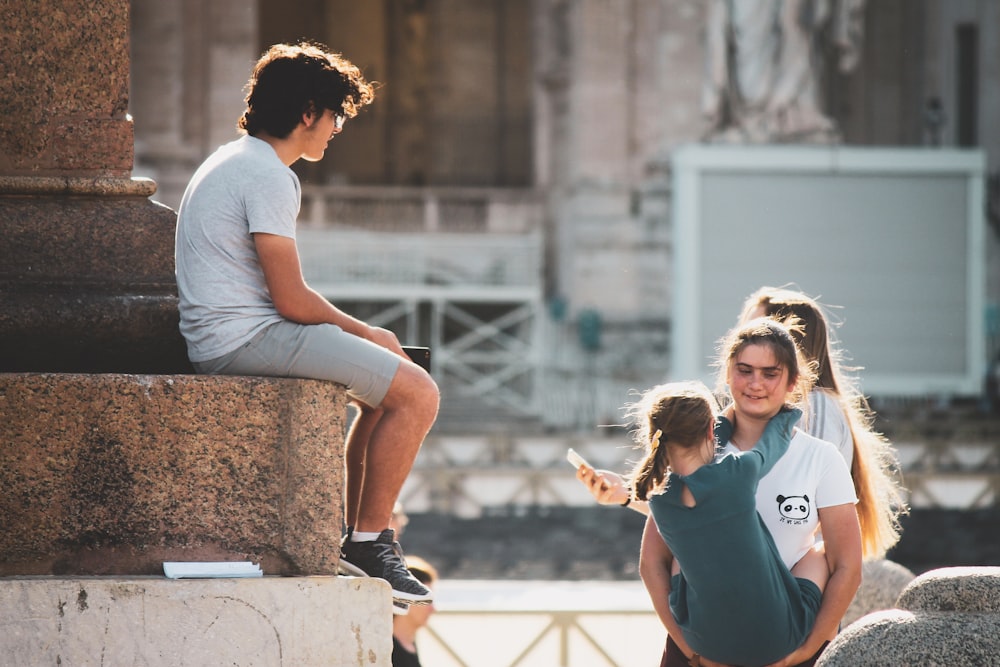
(343, 567)
(412, 598)
(349, 569)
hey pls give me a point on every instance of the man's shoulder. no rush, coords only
(248, 150)
(248, 163)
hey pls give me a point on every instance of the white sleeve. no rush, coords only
(826, 420)
(835, 486)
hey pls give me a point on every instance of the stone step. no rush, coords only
(163, 623)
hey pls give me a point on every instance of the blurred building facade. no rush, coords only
(507, 199)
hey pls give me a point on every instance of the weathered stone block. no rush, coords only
(158, 622)
(64, 95)
(113, 474)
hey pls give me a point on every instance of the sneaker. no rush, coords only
(343, 567)
(400, 608)
(384, 559)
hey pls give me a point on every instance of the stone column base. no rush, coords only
(113, 474)
(156, 622)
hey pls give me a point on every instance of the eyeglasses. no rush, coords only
(338, 121)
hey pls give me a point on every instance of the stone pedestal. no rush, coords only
(87, 277)
(86, 267)
(164, 623)
(110, 472)
(114, 474)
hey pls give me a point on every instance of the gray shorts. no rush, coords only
(315, 351)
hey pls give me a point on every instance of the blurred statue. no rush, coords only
(765, 66)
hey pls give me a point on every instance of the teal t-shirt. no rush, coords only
(734, 599)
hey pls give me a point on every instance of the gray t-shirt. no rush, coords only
(240, 189)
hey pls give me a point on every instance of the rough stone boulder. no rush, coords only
(945, 617)
(881, 583)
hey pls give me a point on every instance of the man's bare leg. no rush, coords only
(394, 434)
(356, 449)
(408, 412)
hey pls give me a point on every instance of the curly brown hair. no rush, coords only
(290, 80)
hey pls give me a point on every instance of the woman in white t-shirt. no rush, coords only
(838, 413)
(808, 487)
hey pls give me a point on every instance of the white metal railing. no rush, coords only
(560, 638)
(459, 269)
(465, 475)
(426, 210)
(495, 623)
(470, 265)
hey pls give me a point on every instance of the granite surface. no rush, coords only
(87, 284)
(113, 474)
(949, 616)
(958, 589)
(900, 638)
(881, 583)
(64, 88)
(77, 185)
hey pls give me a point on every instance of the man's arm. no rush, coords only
(296, 301)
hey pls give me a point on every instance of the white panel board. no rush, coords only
(892, 238)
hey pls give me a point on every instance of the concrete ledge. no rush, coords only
(163, 623)
(113, 474)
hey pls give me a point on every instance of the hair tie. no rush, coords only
(655, 441)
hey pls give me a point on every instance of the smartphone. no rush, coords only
(421, 356)
(575, 459)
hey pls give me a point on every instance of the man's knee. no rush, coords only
(413, 389)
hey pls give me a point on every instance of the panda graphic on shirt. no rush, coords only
(793, 510)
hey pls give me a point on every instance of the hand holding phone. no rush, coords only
(575, 459)
(421, 356)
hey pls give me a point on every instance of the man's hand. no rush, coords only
(386, 339)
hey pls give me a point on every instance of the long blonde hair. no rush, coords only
(874, 468)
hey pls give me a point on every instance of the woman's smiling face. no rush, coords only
(758, 382)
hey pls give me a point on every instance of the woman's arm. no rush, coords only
(655, 564)
(842, 539)
(609, 488)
